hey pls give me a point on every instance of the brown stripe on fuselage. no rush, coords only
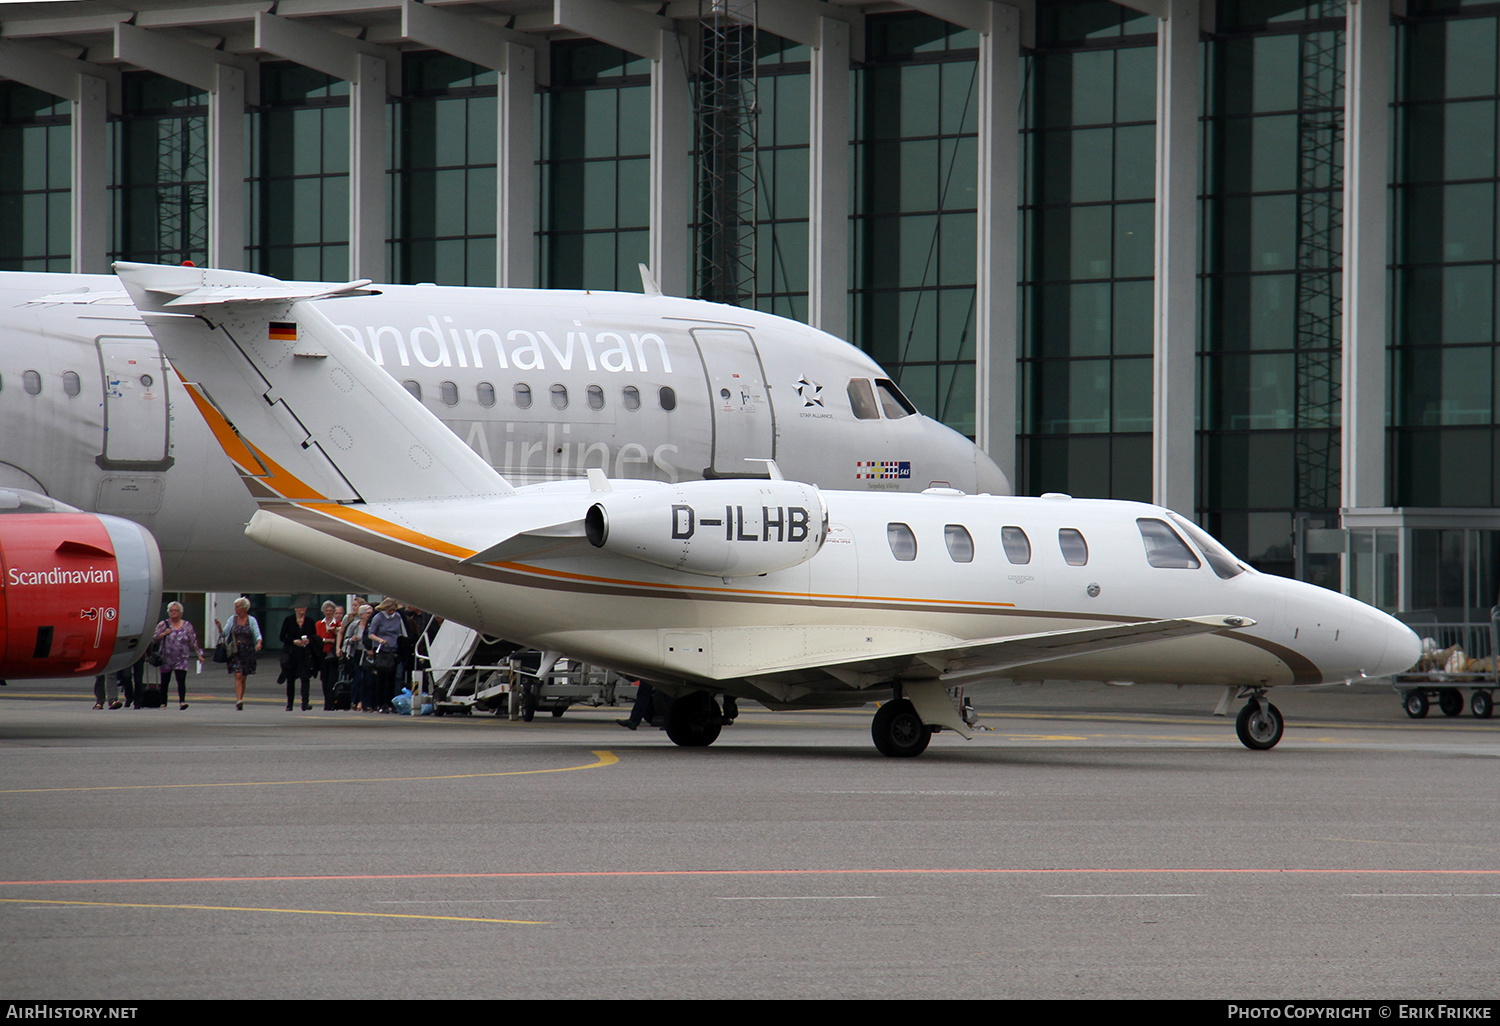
(337, 525)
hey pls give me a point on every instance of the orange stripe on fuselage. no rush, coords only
(375, 525)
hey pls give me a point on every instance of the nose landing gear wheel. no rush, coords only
(898, 731)
(693, 720)
(1259, 726)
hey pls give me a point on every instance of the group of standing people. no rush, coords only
(370, 648)
(377, 646)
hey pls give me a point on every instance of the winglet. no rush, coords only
(597, 481)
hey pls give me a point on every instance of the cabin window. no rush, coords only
(560, 397)
(960, 543)
(450, 393)
(1219, 558)
(485, 392)
(630, 396)
(667, 397)
(596, 397)
(892, 401)
(71, 384)
(413, 387)
(1017, 545)
(903, 542)
(862, 400)
(1074, 549)
(523, 396)
(32, 382)
(1163, 546)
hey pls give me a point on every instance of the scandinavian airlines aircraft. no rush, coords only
(543, 385)
(771, 589)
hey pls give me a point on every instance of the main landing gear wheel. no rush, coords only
(1481, 705)
(1451, 701)
(898, 730)
(694, 720)
(1259, 725)
(1415, 704)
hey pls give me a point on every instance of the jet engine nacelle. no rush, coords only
(79, 593)
(732, 528)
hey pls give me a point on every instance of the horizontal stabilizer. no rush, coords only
(209, 286)
(552, 539)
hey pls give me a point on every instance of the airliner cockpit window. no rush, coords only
(862, 400)
(523, 396)
(1221, 559)
(1074, 549)
(892, 401)
(1017, 545)
(414, 387)
(960, 543)
(903, 542)
(1163, 546)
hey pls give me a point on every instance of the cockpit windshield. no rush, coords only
(1221, 559)
(892, 401)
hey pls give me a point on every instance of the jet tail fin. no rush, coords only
(300, 409)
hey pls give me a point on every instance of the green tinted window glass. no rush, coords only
(1134, 320)
(1132, 392)
(1134, 243)
(1135, 84)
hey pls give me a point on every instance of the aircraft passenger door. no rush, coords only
(136, 407)
(744, 425)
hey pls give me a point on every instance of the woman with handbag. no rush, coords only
(357, 658)
(176, 644)
(240, 642)
(386, 631)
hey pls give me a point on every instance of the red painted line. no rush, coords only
(615, 873)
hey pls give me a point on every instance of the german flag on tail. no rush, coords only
(283, 331)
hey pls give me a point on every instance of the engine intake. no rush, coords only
(79, 593)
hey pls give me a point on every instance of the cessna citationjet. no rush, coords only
(544, 385)
(772, 589)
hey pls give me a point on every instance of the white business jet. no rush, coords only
(772, 589)
(544, 385)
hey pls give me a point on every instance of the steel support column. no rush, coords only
(999, 223)
(1366, 150)
(1174, 442)
(828, 185)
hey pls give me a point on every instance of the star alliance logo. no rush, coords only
(810, 391)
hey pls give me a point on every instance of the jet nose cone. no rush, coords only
(988, 477)
(1402, 650)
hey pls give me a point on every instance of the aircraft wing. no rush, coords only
(995, 657)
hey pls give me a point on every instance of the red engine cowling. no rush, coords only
(79, 593)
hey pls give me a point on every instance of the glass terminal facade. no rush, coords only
(1268, 401)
